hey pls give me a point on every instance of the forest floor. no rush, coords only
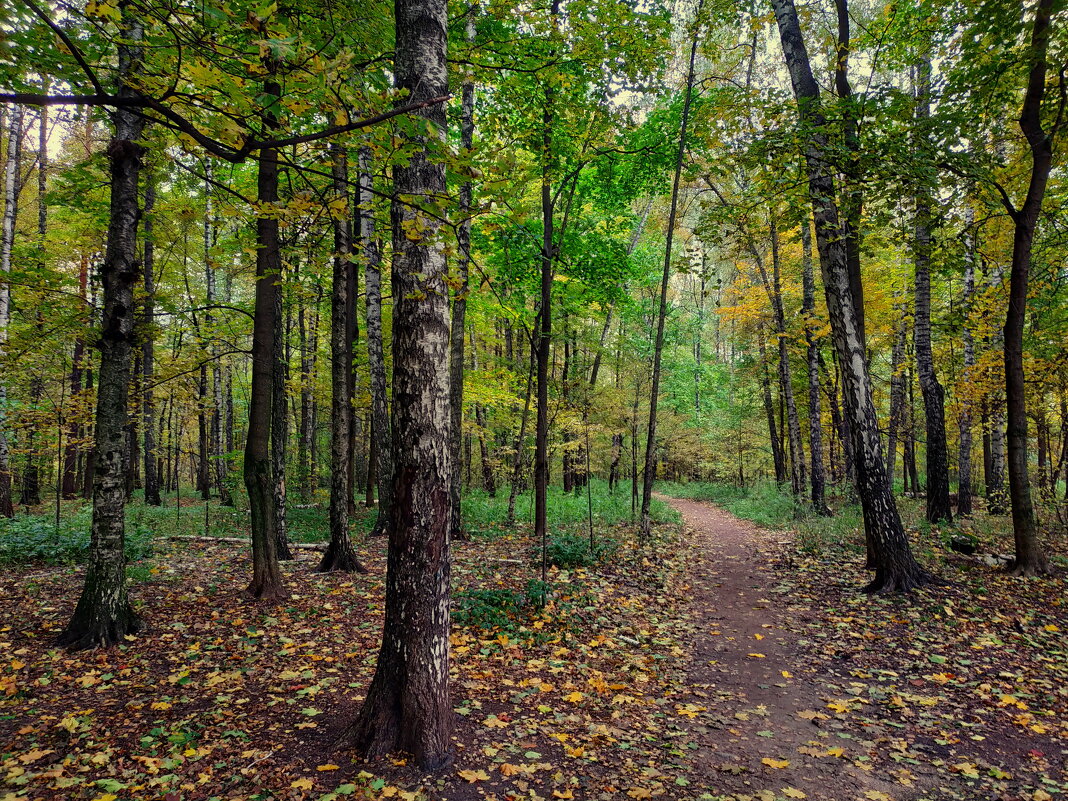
(723, 662)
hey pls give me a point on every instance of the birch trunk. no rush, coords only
(408, 706)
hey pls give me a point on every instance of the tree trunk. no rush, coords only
(459, 303)
(103, 615)
(777, 455)
(376, 359)
(489, 480)
(964, 418)
(148, 349)
(340, 554)
(938, 508)
(519, 462)
(897, 390)
(896, 569)
(812, 351)
(12, 170)
(658, 346)
(280, 426)
(408, 706)
(1030, 557)
(259, 476)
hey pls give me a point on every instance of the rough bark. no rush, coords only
(280, 426)
(340, 554)
(937, 451)
(1030, 558)
(408, 706)
(897, 389)
(104, 615)
(896, 569)
(258, 473)
(778, 458)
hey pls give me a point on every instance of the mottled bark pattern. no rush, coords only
(938, 509)
(103, 615)
(812, 359)
(896, 569)
(148, 351)
(12, 167)
(408, 706)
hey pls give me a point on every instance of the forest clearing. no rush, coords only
(581, 399)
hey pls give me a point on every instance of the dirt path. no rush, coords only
(762, 729)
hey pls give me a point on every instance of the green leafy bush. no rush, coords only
(495, 609)
(567, 549)
(35, 538)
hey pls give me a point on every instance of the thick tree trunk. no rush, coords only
(259, 476)
(658, 346)
(896, 569)
(408, 706)
(12, 171)
(340, 554)
(376, 359)
(104, 615)
(1030, 557)
(938, 508)
(812, 358)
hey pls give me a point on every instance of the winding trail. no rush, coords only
(753, 698)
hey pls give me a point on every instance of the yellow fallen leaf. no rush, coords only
(563, 794)
(793, 792)
(327, 767)
(160, 705)
(836, 751)
(639, 792)
(786, 674)
(473, 775)
(758, 656)
(574, 697)
(494, 722)
(778, 764)
(877, 795)
(301, 784)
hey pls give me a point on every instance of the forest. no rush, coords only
(571, 399)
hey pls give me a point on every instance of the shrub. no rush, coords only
(35, 538)
(569, 549)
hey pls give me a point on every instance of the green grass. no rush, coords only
(565, 511)
(35, 538)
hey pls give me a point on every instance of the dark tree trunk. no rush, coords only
(520, 460)
(658, 346)
(408, 706)
(376, 359)
(489, 479)
(1030, 557)
(812, 352)
(777, 455)
(259, 476)
(964, 419)
(340, 554)
(148, 350)
(897, 390)
(460, 291)
(938, 508)
(896, 569)
(104, 615)
(280, 427)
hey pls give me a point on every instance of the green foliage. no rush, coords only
(571, 549)
(502, 609)
(35, 538)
